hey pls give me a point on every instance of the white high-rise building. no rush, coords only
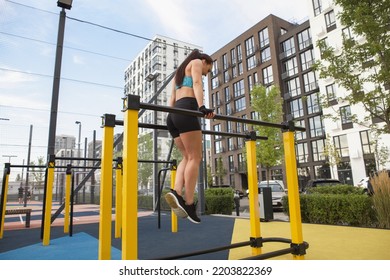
(148, 72)
(353, 142)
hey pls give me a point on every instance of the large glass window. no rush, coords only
(331, 92)
(251, 62)
(316, 126)
(226, 76)
(214, 69)
(268, 76)
(217, 128)
(263, 38)
(233, 56)
(300, 135)
(310, 81)
(225, 61)
(231, 163)
(307, 59)
(240, 104)
(293, 87)
(318, 149)
(345, 114)
(302, 153)
(341, 145)
(239, 53)
(218, 147)
(265, 54)
(288, 47)
(238, 88)
(250, 46)
(304, 39)
(317, 7)
(290, 67)
(330, 20)
(368, 146)
(226, 93)
(296, 108)
(313, 103)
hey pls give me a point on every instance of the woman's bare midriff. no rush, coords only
(184, 92)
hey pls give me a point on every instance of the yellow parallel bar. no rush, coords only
(254, 211)
(118, 200)
(67, 203)
(130, 185)
(293, 190)
(174, 224)
(48, 203)
(4, 197)
(106, 194)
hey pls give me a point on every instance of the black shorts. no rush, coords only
(179, 123)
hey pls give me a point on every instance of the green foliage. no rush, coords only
(145, 170)
(219, 201)
(362, 64)
(336, 189)
(220, 170)
(268, 104)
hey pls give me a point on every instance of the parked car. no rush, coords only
(363, 183)
(320, 183)
(277, 190)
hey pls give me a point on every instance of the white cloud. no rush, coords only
(9, 78)
(78, 60)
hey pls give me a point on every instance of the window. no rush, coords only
(238, 88)
(225, 61)
(316, 126)
(302, 153)
(250, 82)
(226, 76)
(296, 108)
(318, 149)
(250, 46)
(231, 163)
(331, 92)
(239, 53)
(347, 33)
(264, 38)
(217, 128)
(230, 144)
(226, 92)
(317, 7)
(218, 147)
(230, 126)
(234, 71)
(265, 54)
(240, 104)
(214, 69)
(330, 20)
(290, 67)
(304, 39)
(300, 135)
(310, 81)
(251, 62)
(368, 146)
(233, 56)
(307, 59)
(346, 117)
(214, 83)
(323, 44)
(288, 47)
(241, 162)
(268, 77)
(341, 145)
(240, 68)
(313, 103)
(293, 87)
(229, 109)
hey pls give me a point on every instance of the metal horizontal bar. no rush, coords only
(271, 254)
(201, 252)
(155, 107)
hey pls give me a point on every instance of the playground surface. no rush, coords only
(326, 242)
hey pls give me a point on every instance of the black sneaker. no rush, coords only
(191, 211)
(177, 203)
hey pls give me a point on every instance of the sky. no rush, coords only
(94, 58)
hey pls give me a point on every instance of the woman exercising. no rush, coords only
(187, 93)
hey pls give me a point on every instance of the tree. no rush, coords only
(267, 102)
(220, 171)
(145, 149)
(332, 157)
(362, 66)
(37, 174)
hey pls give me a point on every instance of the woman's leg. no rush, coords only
(192, 143)
(180, 180)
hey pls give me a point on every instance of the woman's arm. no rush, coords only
(196, 73)
(172, 100)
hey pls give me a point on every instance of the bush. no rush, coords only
(219, 201)
(337, 205)
(381, 198)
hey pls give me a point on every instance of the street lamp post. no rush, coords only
(78, 155)
(9, 157)
(64, 4)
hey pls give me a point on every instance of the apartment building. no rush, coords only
(353, 142)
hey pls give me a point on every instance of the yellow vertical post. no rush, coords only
(131, 106)
(7, 171)
(48, 200)
(173, 215)
(292, 188)
(106, 188)
(254, 211)
(67, 198)
(118, 198)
